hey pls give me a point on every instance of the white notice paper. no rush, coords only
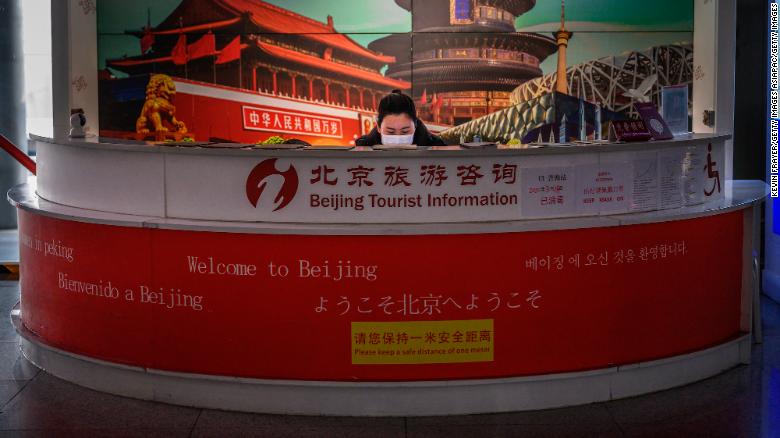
(693, 172)
(604, 188)
(670, 174)
(645, 191)
(548, 192)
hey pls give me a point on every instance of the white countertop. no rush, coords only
(739, 195)
(320, 151)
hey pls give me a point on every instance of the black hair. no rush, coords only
(297, 141)
(396, 103)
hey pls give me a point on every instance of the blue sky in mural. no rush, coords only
(642, 23)
(372, 16)
(610, 15)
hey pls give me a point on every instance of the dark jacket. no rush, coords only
(422, 137)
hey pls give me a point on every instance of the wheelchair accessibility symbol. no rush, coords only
(712, 173)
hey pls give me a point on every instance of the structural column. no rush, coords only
(12, 117)
(254, 79)
(562, 39)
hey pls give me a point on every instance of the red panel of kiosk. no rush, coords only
(381, 307)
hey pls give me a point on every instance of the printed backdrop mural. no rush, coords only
(251, 70)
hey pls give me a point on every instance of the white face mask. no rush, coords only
(398, 139)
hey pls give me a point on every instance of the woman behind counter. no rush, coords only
(397, 123)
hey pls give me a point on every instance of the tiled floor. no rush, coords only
(743, 402)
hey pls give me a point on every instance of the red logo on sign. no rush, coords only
(255, 183)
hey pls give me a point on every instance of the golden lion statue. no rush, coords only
(157, 117)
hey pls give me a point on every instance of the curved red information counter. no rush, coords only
(251, 280)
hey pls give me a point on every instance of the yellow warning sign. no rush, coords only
(418, 342)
